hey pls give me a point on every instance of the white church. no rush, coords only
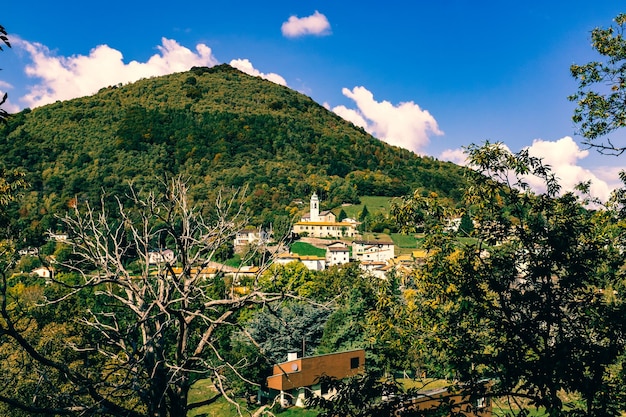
(324, 223)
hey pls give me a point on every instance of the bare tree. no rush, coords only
(152, 320)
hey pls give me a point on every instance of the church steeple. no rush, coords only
(315, 208)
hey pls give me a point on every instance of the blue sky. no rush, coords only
(428, 76)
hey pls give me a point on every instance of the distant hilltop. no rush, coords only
(216, 127)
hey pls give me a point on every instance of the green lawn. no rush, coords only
(306, 249)
(405, 241)
(203, 390)
(374, 204)
(376, 236)
(235, 261)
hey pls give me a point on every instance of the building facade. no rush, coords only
(372, 251)
(322, 224)
(297, 378)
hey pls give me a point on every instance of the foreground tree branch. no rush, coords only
(153, 310)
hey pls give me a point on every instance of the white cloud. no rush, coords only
(316, 24)
(405, 125)
(457, 156)
(351, 115)
(563, 156)
(8, 105)
(62, 78)
(246, 66)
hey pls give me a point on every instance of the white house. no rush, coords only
(44, 272)
(29, 251)
(374, 268)
(337, 253)
(58, 237)
(161, 256)
(374, 251)
(250, 235)
(313, 263)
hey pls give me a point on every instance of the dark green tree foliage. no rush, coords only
(537, 303)
(292, 327)
(466, 226)
(224, 252)
(236, 130)
(602, 89)
(342, 215)
(364, 218)
(281, 228)
(352, 296)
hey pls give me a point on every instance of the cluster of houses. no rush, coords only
(374, 256)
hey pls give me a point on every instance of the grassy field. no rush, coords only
(374, 204)
(306, 249)
(406, 241)
(203, 390)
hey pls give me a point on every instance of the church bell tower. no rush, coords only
(315, 208)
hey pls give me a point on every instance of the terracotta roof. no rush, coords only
(372, 242)
(346, 249)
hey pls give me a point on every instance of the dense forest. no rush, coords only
(216, 127)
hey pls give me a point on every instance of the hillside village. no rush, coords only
(340, 239)
(319, 228)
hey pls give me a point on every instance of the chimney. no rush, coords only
(292, 356)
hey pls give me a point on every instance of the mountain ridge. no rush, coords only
(217, 127)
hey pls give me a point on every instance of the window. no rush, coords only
(354, 363)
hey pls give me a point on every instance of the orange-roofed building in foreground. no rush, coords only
(297, 379)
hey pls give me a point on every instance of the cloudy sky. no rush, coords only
(424, 75)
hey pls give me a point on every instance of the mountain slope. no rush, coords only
(218, 127)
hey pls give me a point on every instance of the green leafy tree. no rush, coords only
(602, 89)
(281, 228)
(290, 327)
(363, 214)
(536, 303)
(391, 327)
(466, 226)
(416, 213)
(224, 252)
(342, 215)
(351, 295)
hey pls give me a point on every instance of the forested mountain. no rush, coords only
(215, 127)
